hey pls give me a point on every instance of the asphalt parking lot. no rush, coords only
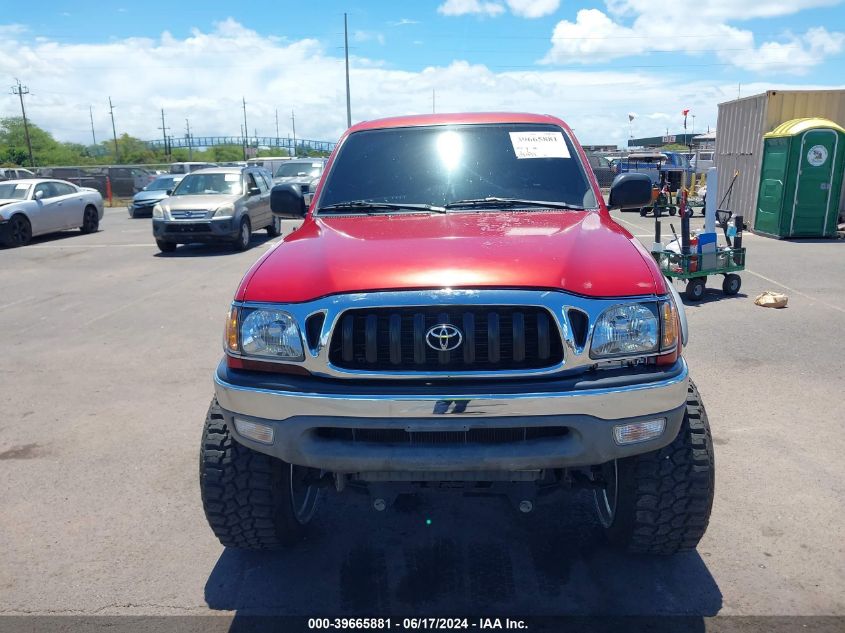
(108, 351)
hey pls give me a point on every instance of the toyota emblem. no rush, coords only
(444, 337)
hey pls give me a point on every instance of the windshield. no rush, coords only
(163, 183)
(309, 170)
(13, 190)
(440, 165)
(224, 184)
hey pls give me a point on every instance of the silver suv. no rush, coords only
(220, 204)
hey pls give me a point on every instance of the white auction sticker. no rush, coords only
(232, 177)
(539, 145)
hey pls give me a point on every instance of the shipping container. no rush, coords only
(739, 137)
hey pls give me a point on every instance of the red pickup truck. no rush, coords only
(458, 306)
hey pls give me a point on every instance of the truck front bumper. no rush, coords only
(312, 420)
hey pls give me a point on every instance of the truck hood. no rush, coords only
(580, 252)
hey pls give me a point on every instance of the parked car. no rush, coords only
(188, 167)
(36, 206)
(144, 201)
(304, 172)
(270, 163)
(658, 166)
(15, 173)
(458, 311)
(602, 168)
(213, 205)
(125, 181)
(702, 161)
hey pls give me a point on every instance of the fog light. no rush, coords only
(638, 431)
(254, 431)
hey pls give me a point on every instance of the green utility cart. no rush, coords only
(801, 179)
(695, 268)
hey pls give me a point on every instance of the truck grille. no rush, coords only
(493, 338)
(472, 436)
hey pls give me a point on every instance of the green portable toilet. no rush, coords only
(801, 179)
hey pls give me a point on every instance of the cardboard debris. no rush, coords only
(771, 299)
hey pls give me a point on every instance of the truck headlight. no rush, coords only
(226, 211)
(626, 330)
(158, 211)
(268, 333)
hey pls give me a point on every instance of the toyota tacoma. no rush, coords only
(457, 310)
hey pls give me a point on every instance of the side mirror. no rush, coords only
(39, 194)
(287, 201)
(629, 191)
(169, 191)
(254, 191)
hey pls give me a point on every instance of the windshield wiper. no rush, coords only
(363, 205)
(483, 203)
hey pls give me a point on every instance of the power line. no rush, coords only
(164, 129)
(114, 132)
(21, 91)
(346, 54)
(91, 116)
(246, 129)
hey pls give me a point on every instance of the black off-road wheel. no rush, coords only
(660, 502)
(695, 288)
(90, 220)
(20, 231)
(731, 284)
(166, 247)
(252, 501)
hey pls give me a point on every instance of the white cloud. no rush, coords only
(368, 36)
(471, 7)
(404, 22)
(533, 8)
(521, 8)
(599, 37)
(204, 75)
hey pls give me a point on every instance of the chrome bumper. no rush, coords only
(589, 415)
(613, 403)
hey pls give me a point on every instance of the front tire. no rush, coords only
(166, 247)
(660, 502)
(244, 235)
(20, 231)
(251, 501)
(90, 220)
(275, 228)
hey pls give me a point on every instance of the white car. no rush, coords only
(36, 206)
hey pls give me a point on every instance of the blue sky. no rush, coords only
(591, 63)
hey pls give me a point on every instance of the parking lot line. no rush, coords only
(798, 292)
(148, 244)
(14, 303)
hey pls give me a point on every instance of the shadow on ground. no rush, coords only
(477, 557)
(215, 249)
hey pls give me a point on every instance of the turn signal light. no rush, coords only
(254, 430)
(669, 325)
(232, 330)
(638, 431)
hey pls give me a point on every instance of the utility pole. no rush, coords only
(246, 128)
(21, 91)
(114, 132)
(164, 129)
(346, 50)
(190, 143)
(91, 116)
(293, 124)
(277, 126)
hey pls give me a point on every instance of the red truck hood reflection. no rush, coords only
(581, 252)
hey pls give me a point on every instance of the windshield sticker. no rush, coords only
(232, 177)
(22, 186)
(539, 145)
